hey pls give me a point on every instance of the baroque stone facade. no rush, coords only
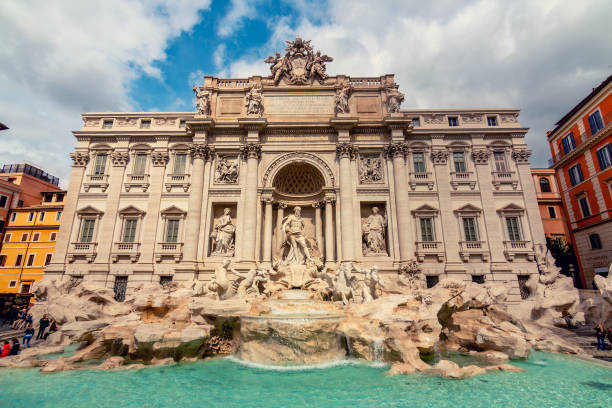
(441, 192)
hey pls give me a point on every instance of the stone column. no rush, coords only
(318, 225)
(267, 238)
(329, 230)
(533, 218)
(346, 152)
(405, 234)
(280, 214)
(202, 238)
(159, 160)
(449, 234)
(251, 152)
(199, 153)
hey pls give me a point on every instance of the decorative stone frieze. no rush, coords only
(165, 121)
(120, 158)
(509, 117)
(370, 169)
(481, 156)
(521, 155)
(226, 171)
(79, 159)
(124, 122)
(439, 156)
(251, 151)
(433, 119)
(159, 158)
(395, 149)
(92, 122)
(471, 118)
(346, 150)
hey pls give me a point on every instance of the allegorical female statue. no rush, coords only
(293, 228)
(223, 235)
(374, 232)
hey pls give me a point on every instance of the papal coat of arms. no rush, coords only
(300, 65)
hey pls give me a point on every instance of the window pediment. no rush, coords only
(173, 211)
(468, 208)
(511, 209)
(131, 211)
(89, 210)
(425, 209)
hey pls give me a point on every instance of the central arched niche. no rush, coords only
(299, 179)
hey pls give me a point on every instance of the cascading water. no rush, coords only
(377, 350)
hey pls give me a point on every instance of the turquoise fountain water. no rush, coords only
(549, 381)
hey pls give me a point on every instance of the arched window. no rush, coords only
(544, 185)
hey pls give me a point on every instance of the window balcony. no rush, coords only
(126, 249)
(170, 250)
(477, 248)
(429, 248)
(513, 248)
(97, 181)
(504, 177)
(421, 178)
(86, 250)
(138, 181)
(178, 180)
(462, 178)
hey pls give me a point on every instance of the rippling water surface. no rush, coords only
(550, 381)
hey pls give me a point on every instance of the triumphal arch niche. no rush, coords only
(297, 169)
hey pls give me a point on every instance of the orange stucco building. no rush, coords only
(553, 215)
(581, 146)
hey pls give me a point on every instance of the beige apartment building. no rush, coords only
(159, 196)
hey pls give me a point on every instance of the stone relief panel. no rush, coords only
(509, 118)
(374, 229)
(471, 118)
(223, 230)
(300, 65)
(226, 170)
(434, 119)
(254, 100)
(370, 168)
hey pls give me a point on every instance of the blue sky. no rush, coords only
(64, 58)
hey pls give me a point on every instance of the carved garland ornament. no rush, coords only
(471, 118)
(521, 155)
(79, 159)
(120, 158)
(251, 151)
(433, 119)
(346, 150)
(481, 156)
(296, 156)
(439, 156)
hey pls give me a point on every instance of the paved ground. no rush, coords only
(584, 337)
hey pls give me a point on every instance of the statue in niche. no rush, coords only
(220, 284)
(293, 228)
(371, 282)
(223, 235)
(341, 104)
(202, 100)
(374, 234)
(226, 171)
(370, 169)
(394, 99)
(254, 100)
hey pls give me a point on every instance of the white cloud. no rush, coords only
(541, 57)
(239, 11)
(64, 58)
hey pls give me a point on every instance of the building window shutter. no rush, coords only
(514, 233)
(427, 234)
(179, 163)
(140, 162)
(172, 231)
(129, 230)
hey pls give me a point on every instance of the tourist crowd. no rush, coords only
(20, 319)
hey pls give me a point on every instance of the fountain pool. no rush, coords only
(550, 380)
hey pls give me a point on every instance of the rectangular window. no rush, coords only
(491, 121)
(165, 279)
(568, 143)
(172, 231)
(59, 198)
(551, 212)
(13, 217)
(459, 160)
(431, 280)
(12, 284)
(100, 164)
(48, 259)
(2, 260)
(18, 260)
(120, 288)
(129, 229)
(145, 124)
(58, 216)
(500, 161)
(140, 164)
(30, 216)
(427, 232)
(469, 229)
(31, 259)
(25, 287)
(418, 159)
(584, 206)
(87, 230)
(7, 238)
(36, 236)
(604, 157)
(180, 159)
(52, 236)
(20, 203)
(107, 124)
(453, 121)
(48, 198)
(514, 231)
(595, 122)
(3, 201)
(416, 122)
(479, 279)
(575, 174)
(595, 241)
(24, 237)
(182, 124)
(42, 216)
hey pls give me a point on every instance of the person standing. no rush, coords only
(52, 329)
(6, 349)
(601, 337)
(44, 323)
(14, 348)
(29, 333)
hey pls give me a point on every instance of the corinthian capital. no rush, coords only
(251, 151)
(159, 158)
(346, 150)
(200, 151)
(481, 156)
(440, 156)
(521, 155)
(120, 158)
(79, 159)
(395, 150)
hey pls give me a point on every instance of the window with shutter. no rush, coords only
(100, 164)
(514, 232)
(179, 163)
(87, 230)
(595, 122)
(418, 159)
(459, 160)
(469, 229)
(129, 229)
(172, 231)
(140, 164)
(427, 233)
(500, 161)
(604, 157)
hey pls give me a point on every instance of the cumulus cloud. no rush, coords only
(541, 57)
(239, 11)
(64, 58)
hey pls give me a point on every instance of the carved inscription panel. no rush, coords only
(299, 105)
